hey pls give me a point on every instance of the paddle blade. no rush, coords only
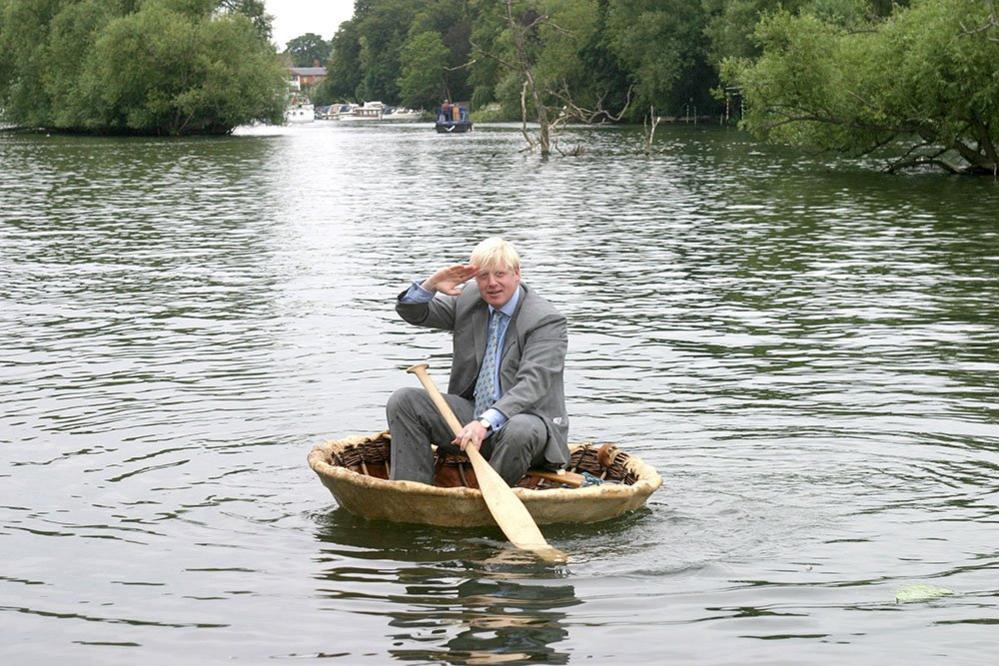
(510, 513)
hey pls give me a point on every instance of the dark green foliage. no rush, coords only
(422, 83)
(919, 88)
(253, 10)
(604, 81)
(596, 51)
(663, 46)
(343, 73)
(308, 50)
(383, 27)
(141, 66)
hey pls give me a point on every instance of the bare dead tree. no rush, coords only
(572, 112)
(649, 125)
(530, 87)
(981, 155)
(535, 96)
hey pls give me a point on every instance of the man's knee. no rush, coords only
(520, 443)
(525, 428)
(402, 400)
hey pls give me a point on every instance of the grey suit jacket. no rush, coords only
(532, 362)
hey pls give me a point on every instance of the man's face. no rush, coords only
(497, 285)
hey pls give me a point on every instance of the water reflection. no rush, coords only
(496, 622)
(447, 596)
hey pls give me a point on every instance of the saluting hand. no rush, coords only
(449, 279)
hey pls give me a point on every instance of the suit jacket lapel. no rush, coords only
(480, 322)
(511, 329)
(511, 337)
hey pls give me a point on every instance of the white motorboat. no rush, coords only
(402, 114)
(368, 111)
(341, 111)
(303, 113)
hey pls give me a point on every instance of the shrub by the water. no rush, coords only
(170, 67)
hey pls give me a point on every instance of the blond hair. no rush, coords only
(494, 252)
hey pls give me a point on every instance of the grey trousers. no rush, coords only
(414, 423)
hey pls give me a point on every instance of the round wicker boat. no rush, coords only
(356, 471)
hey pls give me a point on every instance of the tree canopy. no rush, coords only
(596, 51)
(602, 53)
(308, 50)
(919, 88)
(424, 57)
(137, 66)
(253, 10)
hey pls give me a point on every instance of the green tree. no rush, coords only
(308, 50)
(383, 27)
(70, 42)
(253, 10)
(138, 66)
(452, 20)
(485, 73)
(421, 84)
(175, 73)
(919, 88)
(24, 35)
(663, 46)
(536, 44)
(343, 73)
(601, 80)
(731, 24)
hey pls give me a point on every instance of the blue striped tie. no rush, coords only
(485, 385)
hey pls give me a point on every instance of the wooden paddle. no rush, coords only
(570, 479)
(506, 508)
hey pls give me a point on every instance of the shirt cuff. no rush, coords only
(416, 294)
(495, 417)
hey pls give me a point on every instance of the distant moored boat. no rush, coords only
(300, 113)
(368, 111)
(453, 117)
(402, 114)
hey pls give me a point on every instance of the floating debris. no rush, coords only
(920, 592)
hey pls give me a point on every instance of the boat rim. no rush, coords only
(648, 479)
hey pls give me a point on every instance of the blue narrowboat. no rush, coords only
(453, 117)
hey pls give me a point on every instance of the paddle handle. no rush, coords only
(420, 370)
(570, 479)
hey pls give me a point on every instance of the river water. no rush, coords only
(807, 350)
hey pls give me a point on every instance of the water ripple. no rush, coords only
(806, 350)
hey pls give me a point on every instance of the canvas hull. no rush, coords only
(359, 487)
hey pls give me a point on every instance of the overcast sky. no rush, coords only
(293, 18)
